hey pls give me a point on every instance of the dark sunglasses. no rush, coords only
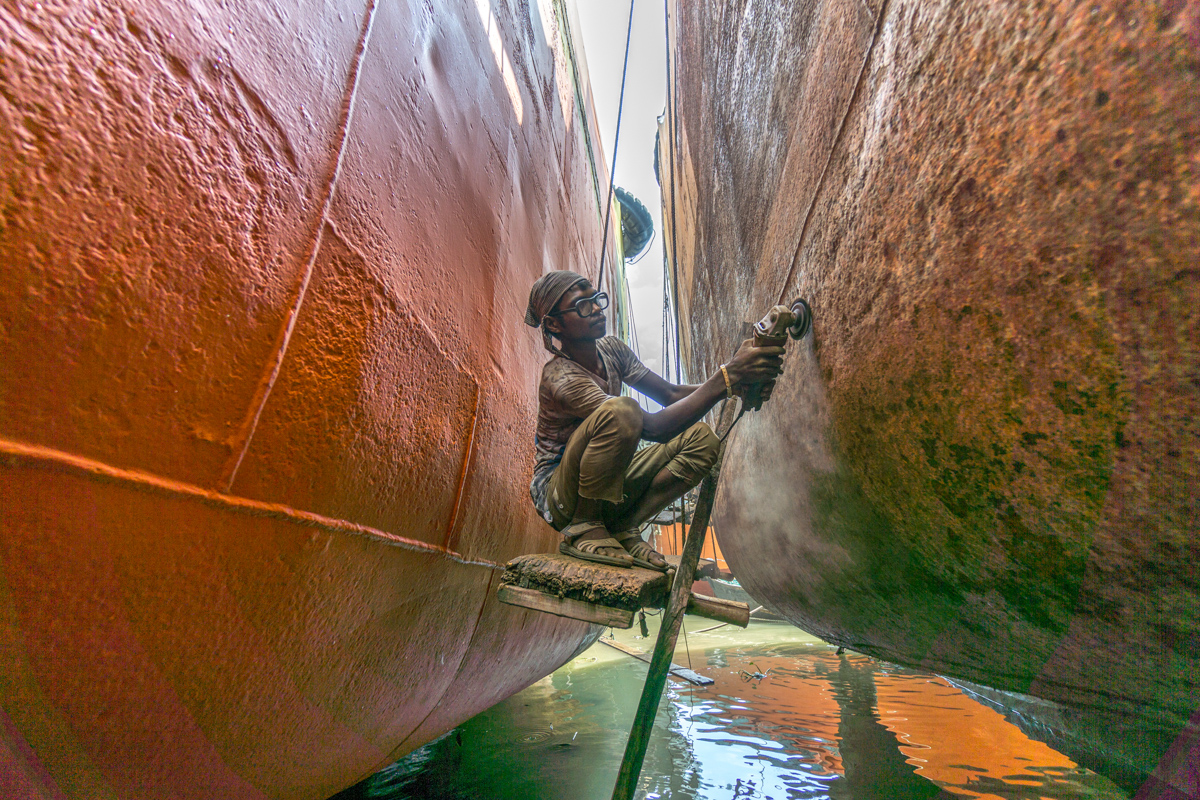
(585, 306)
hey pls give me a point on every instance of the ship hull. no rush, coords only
(266, 395)
(982, 461)
(192, 645)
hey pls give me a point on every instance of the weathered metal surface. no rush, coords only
(265, 392)
(984, 463)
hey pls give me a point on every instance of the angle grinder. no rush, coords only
(773, 330)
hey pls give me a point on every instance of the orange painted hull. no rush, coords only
(266, 398)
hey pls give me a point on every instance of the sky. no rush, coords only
(603, 26)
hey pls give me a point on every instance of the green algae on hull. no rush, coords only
(984, 462)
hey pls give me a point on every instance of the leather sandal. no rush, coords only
(589, 549)
(640, 550)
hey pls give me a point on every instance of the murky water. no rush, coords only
(786, 718)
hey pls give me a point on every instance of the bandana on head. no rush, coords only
(544, 296)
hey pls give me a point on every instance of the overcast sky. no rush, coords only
(604, 24)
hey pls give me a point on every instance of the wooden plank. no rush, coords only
(629, 588)
(565, 607)
(683, 673)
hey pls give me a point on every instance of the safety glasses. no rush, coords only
(585, 306)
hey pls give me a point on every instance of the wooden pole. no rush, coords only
(730, 612)
(677, 671)
(664, 647)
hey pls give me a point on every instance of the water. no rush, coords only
(787, 718)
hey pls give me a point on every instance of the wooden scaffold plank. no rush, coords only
(568, 587)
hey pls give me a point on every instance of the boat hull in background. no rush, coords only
(983, 461)
(266, 396)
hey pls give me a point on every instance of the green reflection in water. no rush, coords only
(786, 718)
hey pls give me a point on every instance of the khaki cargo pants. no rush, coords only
(601, 461)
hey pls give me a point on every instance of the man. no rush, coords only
(590, 480)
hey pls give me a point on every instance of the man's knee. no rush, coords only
(624, 415)
(702, 445)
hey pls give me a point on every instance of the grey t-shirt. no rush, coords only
(567, 395)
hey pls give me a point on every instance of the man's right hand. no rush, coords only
(751, 365)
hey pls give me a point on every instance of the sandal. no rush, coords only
(640, 550)
(589, 549)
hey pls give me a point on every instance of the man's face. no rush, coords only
(567, 324)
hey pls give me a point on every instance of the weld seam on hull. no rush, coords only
(837, 140)
(464, 473)
(275, 363)
(16, 454)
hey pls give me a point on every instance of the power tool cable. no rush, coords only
(616, 144)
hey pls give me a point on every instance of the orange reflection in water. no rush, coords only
(786, 717)
(792, 704)
(879, 728)
(957, 742)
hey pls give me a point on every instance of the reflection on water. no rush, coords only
(786, 718)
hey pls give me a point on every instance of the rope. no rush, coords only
(612, 177)
(674, 255)
(741, 411)
(673, 295)
(666, 320)
(637, 347)
(645, 249)
(837, 140)
(686, 649)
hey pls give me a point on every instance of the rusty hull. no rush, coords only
(984, 462)
(266, 397)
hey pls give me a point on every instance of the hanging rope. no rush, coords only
(671, 131)
(645, 250)
(675, 239)
(837, 139)
(616, 144)
(666, 320)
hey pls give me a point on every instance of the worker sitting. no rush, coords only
(590, 481)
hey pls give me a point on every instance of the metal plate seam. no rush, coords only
(17, 454)
(246, 432)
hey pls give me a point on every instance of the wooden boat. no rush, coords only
(266, 397)
(983, 462)
(732, 590)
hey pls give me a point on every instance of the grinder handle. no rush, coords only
(773, 330)
(752, 397)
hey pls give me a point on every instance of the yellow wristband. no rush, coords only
(728, 385)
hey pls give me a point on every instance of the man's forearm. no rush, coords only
(674, 419)
(749, 365)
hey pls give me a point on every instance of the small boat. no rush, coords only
(732, 590)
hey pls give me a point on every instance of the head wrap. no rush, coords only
(544, 296)
(547, 291)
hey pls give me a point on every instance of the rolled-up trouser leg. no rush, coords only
(689, 456)
(695, 453)
(596, 458)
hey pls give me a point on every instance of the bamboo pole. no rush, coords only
(664, 647)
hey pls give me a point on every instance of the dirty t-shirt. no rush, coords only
(567, 395)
